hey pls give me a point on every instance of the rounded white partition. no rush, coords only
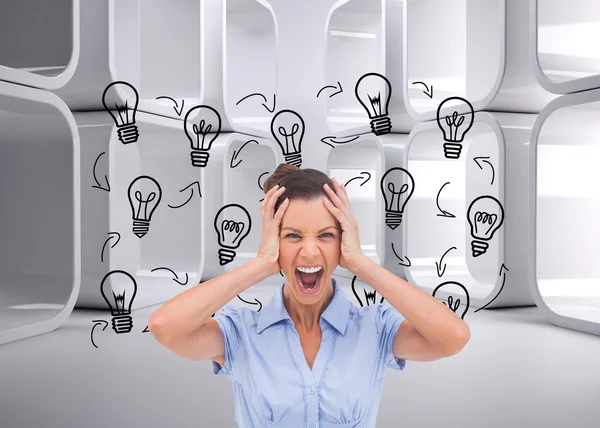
(565, 56)
(475, 50)
(25, 26)
(40, 212)
(564, 274)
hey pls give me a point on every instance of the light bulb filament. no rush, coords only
(120, 302)
(289, 136)
(123, 110)
(396, 201)
(485, 218)
(376, 103)
(232, 226)
(144, 204)
(370, 296)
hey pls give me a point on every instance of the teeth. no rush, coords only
(309, 270)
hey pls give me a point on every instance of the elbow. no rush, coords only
(157, 327)
(460, 338)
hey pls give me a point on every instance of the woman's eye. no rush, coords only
(290, 234)
(330, 234)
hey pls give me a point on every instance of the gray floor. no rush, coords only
(517, 371)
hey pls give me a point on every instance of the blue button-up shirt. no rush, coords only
(273, 386)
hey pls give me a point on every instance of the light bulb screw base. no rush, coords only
(140, 227)
(294, 159)
(479, 247)
(128, 133)
(122, 324)
(392, 219)
(226, 256)
(381, 125)
(452, 150)
(199, 158)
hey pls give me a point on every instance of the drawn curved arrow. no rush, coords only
(191, 194)
(400, 258)
(488, 162)
(237, 152)
(499, 291)
(176, 105)
(176, 276)
(111, 235)
(260, 185)
(332, 139)
(427, 90)
(442, 213)
(99, 186)
(358, 178)
(146, 330)
(437, 266)
(251, 303)
(333, 87)
(264, 103)
(97, 323)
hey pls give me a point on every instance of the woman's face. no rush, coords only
(309, 236)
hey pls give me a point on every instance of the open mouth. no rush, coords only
(309, 283)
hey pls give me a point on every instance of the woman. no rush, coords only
(310, 357)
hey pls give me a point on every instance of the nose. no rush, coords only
(310, 249)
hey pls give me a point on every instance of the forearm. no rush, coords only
(189, 310)
(436, 322)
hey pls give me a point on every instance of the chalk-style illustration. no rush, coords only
(96, 324)
(442, 213)
(191, 186)
(119, 293)
(401, 262)
(98, 185)
(364, 180)
(488, 162)
(441, 266)
(397, 186)
(374, 91)
(177, 109)
(454, 302)
(451, 127)
(339, 85)
(256, 302)
(485, 215)
(331, 140)
(503, 274)
(232, 223)
(270, 110)
(237, 152)
(110, 236)
(176, 279)
(122, 111)
(202, 125)
(144, 195)
(428, 91)
(287, 128)
(369, 295)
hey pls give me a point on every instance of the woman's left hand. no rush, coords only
(339, 205)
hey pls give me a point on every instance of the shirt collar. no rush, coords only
(337, 312)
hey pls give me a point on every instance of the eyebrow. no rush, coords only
(296, 230)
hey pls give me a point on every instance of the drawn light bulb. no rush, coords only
(202, 125)
(455, 292)
(232, 224)
(287, 128)
(119, 289)
(374, 91)
(485, 215)
(365, 291)
(454, 127)
(144, 195)
(122, 110)
(397, 186)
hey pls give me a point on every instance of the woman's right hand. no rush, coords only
(268, 249)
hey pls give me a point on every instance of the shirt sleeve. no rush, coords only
(387, 321)
(230, 321)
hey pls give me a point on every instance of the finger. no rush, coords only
(273, 200)
(333, 196)
(337, 213)
(341, 191)
(267, 196)
(281, 211)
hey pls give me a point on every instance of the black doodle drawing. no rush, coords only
(428, 91)
(454, 302)
(442, 213)
(287, 128)
(146, 330)
(176, 104)
(237, 152)
(119, 289)
(122, 111)
(488, 162)
(176, 279)
(374, 91)
(252, 303)
(401, 262)
(332, 139)
(485, 215)
(280, 272)
(397, 186)
(201, 121)
(358, 178)
(451, 127)
(144, 194)
(369, 294)
(232, 223)
(270, 110)
(260, 185)
(441, 266)
(502, 269)
(332, 87)
(96, 324)
(189, 186)
(110, 236)
(99, 186)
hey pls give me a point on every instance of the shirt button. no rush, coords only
(312, 391)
